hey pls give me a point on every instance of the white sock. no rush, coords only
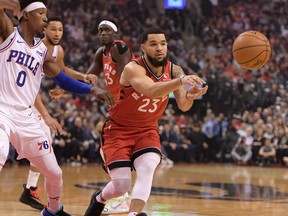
(32, 179)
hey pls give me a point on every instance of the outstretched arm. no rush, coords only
(135, 75)
(52, 70)
(89, 79)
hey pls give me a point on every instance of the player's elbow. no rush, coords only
(184, 107)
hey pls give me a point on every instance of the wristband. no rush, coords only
(181, 77)
(71, 85)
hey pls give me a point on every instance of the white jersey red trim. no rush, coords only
(21, 70)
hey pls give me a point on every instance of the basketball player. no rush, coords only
(145, 85)
(24, 60)
(110, 59)
(53, 35)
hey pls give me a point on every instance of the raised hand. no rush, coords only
(192, 80)
(12, 5)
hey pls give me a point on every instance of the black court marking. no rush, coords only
(228, 191)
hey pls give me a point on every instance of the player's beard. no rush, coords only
(155, 62)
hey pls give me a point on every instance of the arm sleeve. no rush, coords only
(71, 85)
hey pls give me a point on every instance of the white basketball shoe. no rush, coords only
(117, 205)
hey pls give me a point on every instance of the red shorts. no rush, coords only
(121, 144)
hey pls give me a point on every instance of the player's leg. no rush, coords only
(4, 147)
(30, 195)
(48, 166)
(119, 185)
(116, 205)
(145, 166)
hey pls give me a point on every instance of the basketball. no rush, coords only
(251, 50)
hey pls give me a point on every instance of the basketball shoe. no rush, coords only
(30, 197)
(117, 205)
(60, 212)
(95, 208)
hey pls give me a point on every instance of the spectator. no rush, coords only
(267, 153)
(241, 153)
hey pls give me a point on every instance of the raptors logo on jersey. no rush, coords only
(110, 70)
(21, 80)
(137, 110)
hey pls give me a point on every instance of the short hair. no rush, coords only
(57, 19)
(25, 3)
(153, 30)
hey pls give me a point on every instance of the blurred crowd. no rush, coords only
(242, 118)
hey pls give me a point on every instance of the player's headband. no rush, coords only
(109, 23)
(31, 7)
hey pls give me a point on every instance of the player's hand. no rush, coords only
(196, 91)
(12, 5)
(90, 79)
(192, 80)
(56, 93)
(54, 126)
(104, 96)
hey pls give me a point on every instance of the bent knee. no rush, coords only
(121, 186)
(54, 176)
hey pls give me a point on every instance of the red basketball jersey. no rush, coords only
(137, 110)
(110, 70)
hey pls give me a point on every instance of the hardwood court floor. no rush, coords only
(196, 190)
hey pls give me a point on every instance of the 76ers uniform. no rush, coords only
(38, 116)
(20, 78)
(134, 122)
(110, 70)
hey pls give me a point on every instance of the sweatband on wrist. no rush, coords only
(71, 85)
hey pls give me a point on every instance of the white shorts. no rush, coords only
(43, 125)
(24, 131)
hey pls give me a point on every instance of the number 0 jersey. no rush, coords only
(134, 109)
(21, 70)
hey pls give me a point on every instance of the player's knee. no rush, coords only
(121, 186)
(146, 163)
(54, 176)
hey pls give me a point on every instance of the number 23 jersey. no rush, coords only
(134, 109)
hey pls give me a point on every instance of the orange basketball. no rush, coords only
(251, 50)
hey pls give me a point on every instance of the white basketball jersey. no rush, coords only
(35, 111)
(21, 70)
